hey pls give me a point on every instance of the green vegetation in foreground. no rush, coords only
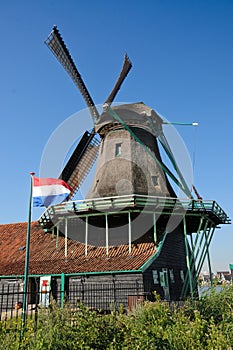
(205, 324)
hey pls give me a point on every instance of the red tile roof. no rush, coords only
(45, 258)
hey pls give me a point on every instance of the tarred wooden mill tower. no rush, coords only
(131, 202)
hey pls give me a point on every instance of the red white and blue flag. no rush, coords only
(49, 191)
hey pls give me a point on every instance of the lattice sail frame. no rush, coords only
(81, 162)
(56, 44)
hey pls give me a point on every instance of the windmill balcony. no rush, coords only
(120, 205)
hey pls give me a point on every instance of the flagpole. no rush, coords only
(25, 284)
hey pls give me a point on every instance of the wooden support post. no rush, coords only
(86, 236)
(130, 232)
(187, 259)
(106, 232)
(194, 256)
(62, 289)
(206, 247)
(57, 237)
(155, 231)
(208, 258)
(66, 235)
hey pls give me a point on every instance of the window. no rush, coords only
(155, 276)
(182, 275)
(154, 179)
(172, 278)
(118, 149)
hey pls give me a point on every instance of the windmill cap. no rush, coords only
(132, 114)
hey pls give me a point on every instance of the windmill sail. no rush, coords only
(127, 65)
(56, 44)
(86, 151)
(80, 162)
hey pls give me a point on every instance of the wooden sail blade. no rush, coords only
(127, 65)
(81, 161)
(56, 44)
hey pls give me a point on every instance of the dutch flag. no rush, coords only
(49, 191)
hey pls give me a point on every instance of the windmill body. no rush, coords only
(123, 166)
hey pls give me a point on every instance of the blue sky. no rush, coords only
(182, 54)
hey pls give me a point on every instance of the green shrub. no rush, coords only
(217, 306)
(144, 328)
(204, 324)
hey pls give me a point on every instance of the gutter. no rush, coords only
(155, 255)
(114, 272)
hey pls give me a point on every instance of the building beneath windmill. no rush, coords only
(131, 236)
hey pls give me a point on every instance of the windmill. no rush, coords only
(131, 181)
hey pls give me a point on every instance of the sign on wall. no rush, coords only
(45, 287)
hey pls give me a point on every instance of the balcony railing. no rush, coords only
(132, 202)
